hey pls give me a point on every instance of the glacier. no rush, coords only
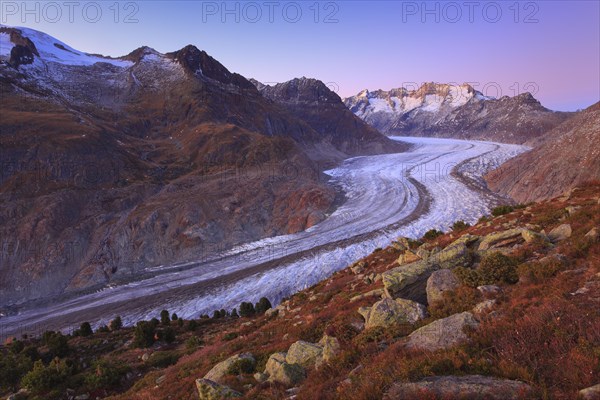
(387, 196)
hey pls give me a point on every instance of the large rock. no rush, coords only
(388, 312)
(331, 347)
(531, 236)
(278, 370)
(561, 232)
(591, 393)
(500, 239)
(456, 254)
(443, 333)
(439, 282)
(399, 278)
(409, 281)
(408, 257)
(221, 369)
(472, 387)
(304, 354)
(209, 390)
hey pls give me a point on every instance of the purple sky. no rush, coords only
(550, 48)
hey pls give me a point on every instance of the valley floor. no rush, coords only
(388, 196)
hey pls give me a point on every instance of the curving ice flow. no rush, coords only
(388, 196)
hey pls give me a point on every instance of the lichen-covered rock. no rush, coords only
(461, 387)
(443, 333)
(484, 307)
(467, 240)
(504, 238)
(304, 354)
(331, 347)
(440, 282)
(372, 293)
(456, 254)
(408, 257)
(489, 290)
(209, 390)
(531, 236)
(593, 235)
(388, 312)
(278, 370)
(396, 279)
(591, 393)
(221, 369)
(560, 233)
(358, 267)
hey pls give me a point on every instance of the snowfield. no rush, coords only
(388, 196)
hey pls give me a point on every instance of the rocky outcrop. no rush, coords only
(473, 387)
(410, 280)
(305, 354)
(209, 390)
(439, 282)
(560, 233)
(442, 333)
(220, 370)
(389, 312)
(278, 370)
(331, 347)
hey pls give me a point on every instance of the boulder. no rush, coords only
(467, 240)
(409, 281)
(280, 371)
(460, 387)
(358, 267)
(484, 307)
(489, 290)
(439, 282)
(331, 347)
(500, 239)
(561, 232)
(221, 369)
(591, 393)
(408, 257)
(209, 390)
(456, 254)
(531, 236)
(304, 354)
(388, 312)
(401, 244)
(396, 279)
(592, 235)
(372, 293)
(443, 333)
(260, 377)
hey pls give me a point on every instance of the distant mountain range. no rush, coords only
(458, 111)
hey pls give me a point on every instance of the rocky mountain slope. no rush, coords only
(563, 158)
(457, 111)
(111, 166)
(487, 311)
(313, 102)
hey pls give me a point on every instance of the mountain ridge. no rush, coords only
(458, 111)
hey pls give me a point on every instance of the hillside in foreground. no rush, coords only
(491, 311)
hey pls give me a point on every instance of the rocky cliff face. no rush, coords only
(566, 156)
(113, 166)
(441, 110)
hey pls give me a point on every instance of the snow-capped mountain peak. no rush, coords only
(21, 46)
